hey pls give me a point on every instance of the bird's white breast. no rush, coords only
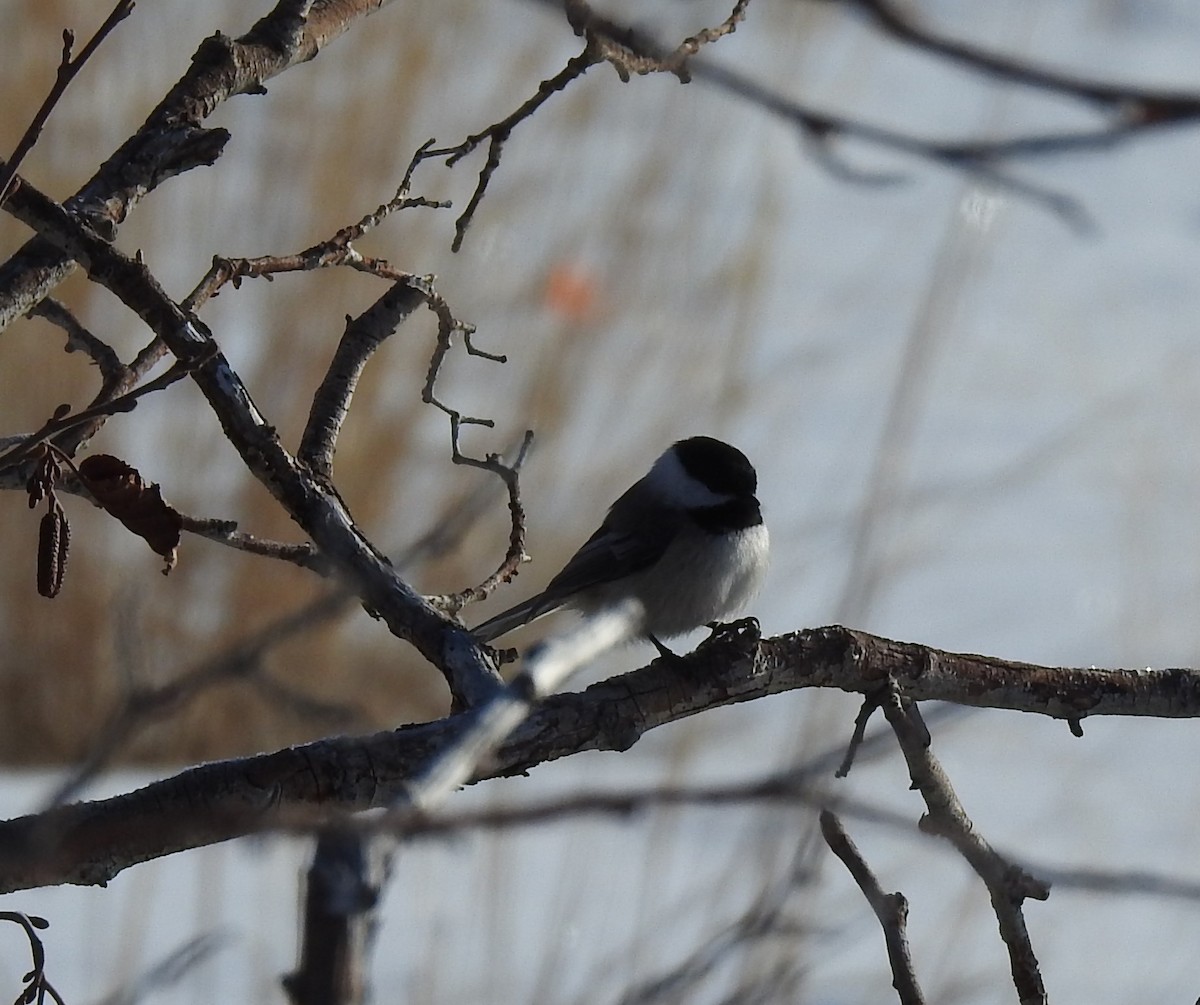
(701, 577)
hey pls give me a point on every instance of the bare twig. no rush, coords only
(631, 52)
(890, 908)
(979, 158)
(337, 250)
(37, 986)
(143, 705)
(767, 917)
(70, 420)
(116, 378)
(1007, 884)
(498, 133)
(448, 327)
(870, 704)
(628, 54)
(80, 339)
(515, 555)
(67, 69)
(401, 200)
(794, 786)
(225, 532)
(168, 971)
(323, 714)
(1131, 110)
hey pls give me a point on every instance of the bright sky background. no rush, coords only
(1035, 483)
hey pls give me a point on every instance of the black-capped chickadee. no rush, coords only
(687, 540)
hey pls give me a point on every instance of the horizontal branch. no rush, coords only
(89, 843)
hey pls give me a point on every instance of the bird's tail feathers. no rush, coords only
(514, 617)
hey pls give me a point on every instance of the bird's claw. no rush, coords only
(663, 651)
(729, 631)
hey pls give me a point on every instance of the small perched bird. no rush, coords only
(687, 540)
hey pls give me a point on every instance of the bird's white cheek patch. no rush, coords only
(670, 481)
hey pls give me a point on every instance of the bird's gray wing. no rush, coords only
(625, 543)
(611, 553)
(628, 541)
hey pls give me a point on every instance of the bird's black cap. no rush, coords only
(720, 467)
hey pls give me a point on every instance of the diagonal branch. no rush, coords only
(605, 41)
(173, 140)
(64, 419)
(112, 370)
(311, 502)
(890, 908)
(145, 704)
(497, 134)
(546, 669)
(331, 402)
(1008, 885)
(68, 68)
(1134, 103)
(1130, 111)
(226, 532)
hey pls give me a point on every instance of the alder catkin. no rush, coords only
(54, 541)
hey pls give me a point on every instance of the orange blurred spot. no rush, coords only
(572, 292)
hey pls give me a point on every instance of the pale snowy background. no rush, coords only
(1035, 494)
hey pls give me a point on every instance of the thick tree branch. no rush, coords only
(90, 843)
(331, 403)
(546, 668)
(242, 659)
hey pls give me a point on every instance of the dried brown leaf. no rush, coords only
(139, 505)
